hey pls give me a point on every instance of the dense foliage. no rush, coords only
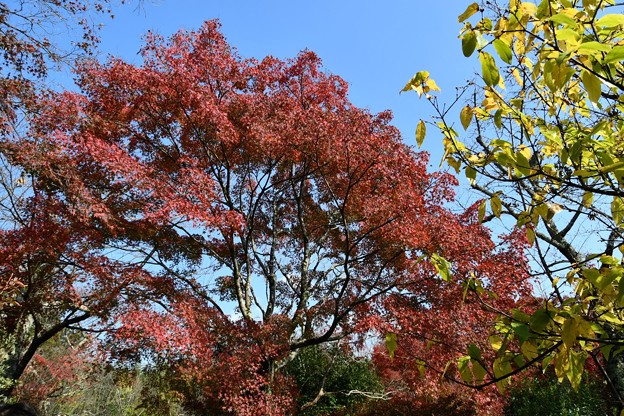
(543, 144)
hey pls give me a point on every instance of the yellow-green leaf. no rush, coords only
(592, 84)
(496, 205)
(577, 365)
(464, 369)
(617, 210)
(530, 233)
(478, 371)
(481, 213)
(470, 10)
(442, 266)
(610, 20)
(569, 332)
(529, 350)
(421, 132)
(465, 116)
(391, 343)
(489, 70)
(469, 43)
(615, 55)
(496, 342)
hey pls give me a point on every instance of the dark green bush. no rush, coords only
(548, 397)
(341, 375)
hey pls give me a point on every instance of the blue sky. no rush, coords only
(375, 46)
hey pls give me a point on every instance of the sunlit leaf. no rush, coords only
(503, 50)
(610, 20)
(421, 132)
(496, 205)
(470, 10)
(469, 43)
(592, 85)
(391, 343)
(465, 116)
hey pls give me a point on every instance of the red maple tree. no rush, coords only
(242, 210)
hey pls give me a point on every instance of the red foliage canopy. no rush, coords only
(275, 213)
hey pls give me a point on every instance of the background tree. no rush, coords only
(43, 252)
(543, 146)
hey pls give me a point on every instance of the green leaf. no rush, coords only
(610, 20)
(471, 174)
(442, 265)
(391, 343)
(540, 320)
(470, 10)
(503, 50)
(489, 70)
(469, 43)
(421, 132)
(592, 84)
(588, 199)
(474, 352)
(465, 116)
(521, 330)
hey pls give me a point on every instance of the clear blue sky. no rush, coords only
(375, 46)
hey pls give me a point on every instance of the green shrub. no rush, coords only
(551, 398)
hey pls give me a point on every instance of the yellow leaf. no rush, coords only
(496, 342)
(465, 116)
(481, 213)
(432, 84)
(470, 10)
(528, 9)
(517, 76)
(592, 85)
(496, 205)
(421, 132)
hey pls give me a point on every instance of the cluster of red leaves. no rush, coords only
(227, 361)
(433, 332)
